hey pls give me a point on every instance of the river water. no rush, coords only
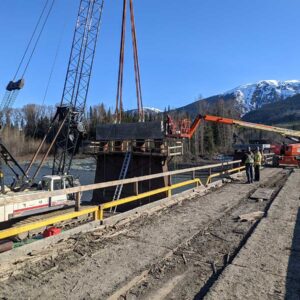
(84, 170)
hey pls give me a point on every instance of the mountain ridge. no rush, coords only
(254, 95)
(246, 98)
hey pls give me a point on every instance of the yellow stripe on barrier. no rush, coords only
(98, 210)
(222, 173)
(148, 194)
(31, 226)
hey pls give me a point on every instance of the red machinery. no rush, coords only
(284, 154)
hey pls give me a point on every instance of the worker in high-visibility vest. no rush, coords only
(257, 164)
(249, 161)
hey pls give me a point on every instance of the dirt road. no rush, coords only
(174, 254)
(269, 264)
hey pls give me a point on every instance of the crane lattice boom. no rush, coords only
(77, 83)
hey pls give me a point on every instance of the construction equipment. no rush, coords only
(66, 125)
(10, 209)
(284, 154)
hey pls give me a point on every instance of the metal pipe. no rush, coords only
(50, 147)
(41, 145)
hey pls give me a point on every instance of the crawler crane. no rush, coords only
(66, 125)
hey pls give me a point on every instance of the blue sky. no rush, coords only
(186, 48)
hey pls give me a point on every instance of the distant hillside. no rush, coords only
(248, 97)
(211, 105)
(254, 95)
(284, 112)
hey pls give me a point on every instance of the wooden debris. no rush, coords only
(226, 259)
(236, 231)
(213, 266)
(262, 193)
(251, 216)
(218, 237)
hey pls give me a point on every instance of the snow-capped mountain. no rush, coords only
(147, 111)
(254, 96)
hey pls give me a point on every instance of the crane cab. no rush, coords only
(56, 182)
(10, 209)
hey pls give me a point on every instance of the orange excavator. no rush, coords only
(286, 154)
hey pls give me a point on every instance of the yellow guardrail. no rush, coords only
(168, 189)
(17, 198)
(50, 221)
(208, 181)
(98, 211)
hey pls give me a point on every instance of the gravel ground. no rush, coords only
(192, 236)
(195, 265)
(268, 266)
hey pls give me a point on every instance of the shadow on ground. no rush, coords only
(293, 272)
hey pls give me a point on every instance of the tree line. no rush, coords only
(25, 127)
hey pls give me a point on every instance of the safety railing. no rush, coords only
(147, 146)
(98, 211)
(96, 186)
(167, 189)
(6, 233)
(268, 158)
(210, 177)
(175, 150)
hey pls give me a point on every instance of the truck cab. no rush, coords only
(10, 209)
(56, 182)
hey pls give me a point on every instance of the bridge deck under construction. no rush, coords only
(193, 245)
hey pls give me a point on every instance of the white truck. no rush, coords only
(10, 209)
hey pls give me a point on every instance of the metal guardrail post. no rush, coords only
(169, 184)
(99, 214)
(136, 188)
(77, 201)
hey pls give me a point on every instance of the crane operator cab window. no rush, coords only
(45, 185)
(57, 184)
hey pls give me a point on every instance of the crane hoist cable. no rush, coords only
(67, 123)
(136, 65)
(13, 87)
(119, 97)
(38, 37)
(31, 38)
(58, 47)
